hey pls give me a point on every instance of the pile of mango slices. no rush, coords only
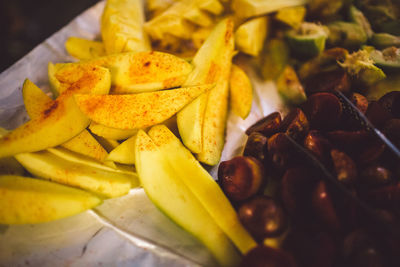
(142, 107)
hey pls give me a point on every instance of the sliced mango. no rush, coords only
(143, 71)
(137, 111)
(83, 49)
(36, 100)
(122, 26)
(26, 200)
(209, 63)
(241, 92)
(110, 133)
(202, 185)
(48, 166)
(59, 121)
(178, 202)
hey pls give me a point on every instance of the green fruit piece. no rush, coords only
(361, 66)
(379, 13)
(326, 61)
(379, 89)
(274, 59)
(346, 34)
(26, 200)
(384, 40)
(357, 17)
(168, 192)
(290, 88)
(308, 40)
(388, 59)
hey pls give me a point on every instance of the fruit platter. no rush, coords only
(205, 133)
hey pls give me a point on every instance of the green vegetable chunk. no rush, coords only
(388, 59)
(346, 34)
(361, 66)
(274, 59)
(308, 40)
(384, 40)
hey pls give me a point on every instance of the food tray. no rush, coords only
(126, 231)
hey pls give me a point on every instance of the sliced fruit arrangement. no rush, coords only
(59, 120)
(180, 65)
(136, 111)
(177, 200)
(202, 185)
(201, 124)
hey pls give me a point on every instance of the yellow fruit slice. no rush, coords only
(144, 71)
(83, 49)
(78, 158)
(36, 100)
(215, 114)
(137, 111)
(209, 64)
(48, 166)
(250, 36)
(59, 121)
(202, 185)
(26, 200)
(175, 199)
(110, 133)
(54, 83)
(122, 26)
(241, 92)
(124, 153)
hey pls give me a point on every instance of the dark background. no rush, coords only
(26, 23)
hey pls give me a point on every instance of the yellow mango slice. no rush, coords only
(78, 158)
(83, 49)
(199, 17)
(212, 6)
(292, 16)
(143, 71)
(202, 185)
(108, 144)
(110, 133)
(84, 143)
(60, 120)
(215, 114)
(137, 111)
(252, 8)
(34, 99)
(54, 83)
(159, 5)
(241, 92)
(46, 165)
(27, 200)
(124, 153)
(171, 21)
(178, 202)
(208, 63)
(122, 26)
(250, 36)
